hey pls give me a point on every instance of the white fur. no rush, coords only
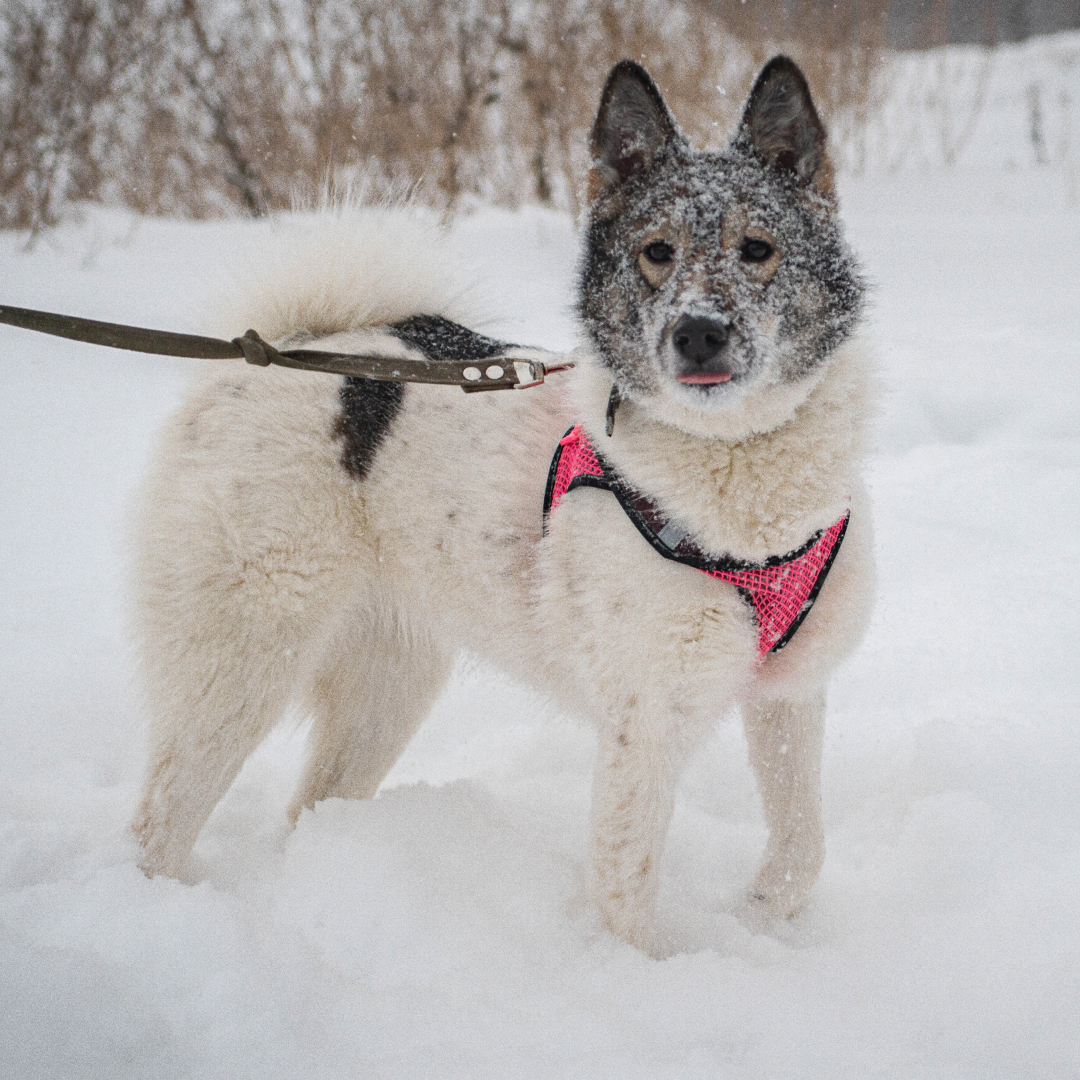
(268, 575)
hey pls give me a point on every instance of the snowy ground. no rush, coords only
(444, 930)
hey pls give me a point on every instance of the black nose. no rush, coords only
(698, 339)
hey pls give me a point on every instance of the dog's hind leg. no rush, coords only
(215, 711)
(229, 620)
(785, 741)
(220, 666)
(375, 686)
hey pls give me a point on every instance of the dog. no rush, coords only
(334, 543)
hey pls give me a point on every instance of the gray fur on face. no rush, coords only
(781, 316)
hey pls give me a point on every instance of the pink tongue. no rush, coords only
(705, 379)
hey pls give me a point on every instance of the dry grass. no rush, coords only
(199, 109)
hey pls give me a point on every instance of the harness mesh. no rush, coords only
(577, 458)
(781, 590)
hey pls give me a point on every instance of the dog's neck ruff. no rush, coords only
(781, 590)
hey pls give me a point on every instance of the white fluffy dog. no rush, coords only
(335, 543)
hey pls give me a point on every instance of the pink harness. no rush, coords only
(780, 590)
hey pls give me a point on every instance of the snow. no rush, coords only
(1005, 108)
(444, 929)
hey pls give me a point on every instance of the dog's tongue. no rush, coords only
(706, 378)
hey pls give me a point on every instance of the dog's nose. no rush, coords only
(699, 339)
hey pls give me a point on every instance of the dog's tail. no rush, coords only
(344, 267)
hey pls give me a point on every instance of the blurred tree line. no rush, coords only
(202, 108)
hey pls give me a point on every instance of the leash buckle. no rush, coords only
(529, 373)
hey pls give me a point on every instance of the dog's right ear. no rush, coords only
(632, 126)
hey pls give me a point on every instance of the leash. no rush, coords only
(516, 368)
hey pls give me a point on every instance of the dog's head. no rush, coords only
(709, 276)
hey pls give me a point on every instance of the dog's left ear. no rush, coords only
(782, 125)
(632, 126)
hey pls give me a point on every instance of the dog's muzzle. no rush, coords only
(699, 344)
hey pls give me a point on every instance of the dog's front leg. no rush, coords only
(632, 800)
(785, 740)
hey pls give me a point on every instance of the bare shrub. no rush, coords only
(65, 69)
(200, 107)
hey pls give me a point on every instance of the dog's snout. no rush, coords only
(699, 339)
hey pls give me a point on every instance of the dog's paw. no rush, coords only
(641, 937)
(760, 909)
(631, 925)
(160, 855)
(776, 903)
(786, 877)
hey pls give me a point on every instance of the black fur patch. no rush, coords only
(369, 407)
(440, 339)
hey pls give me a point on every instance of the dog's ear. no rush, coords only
(782, 125)
(632, 126)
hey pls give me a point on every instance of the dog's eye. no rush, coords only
(755, 250)
(659, 251)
